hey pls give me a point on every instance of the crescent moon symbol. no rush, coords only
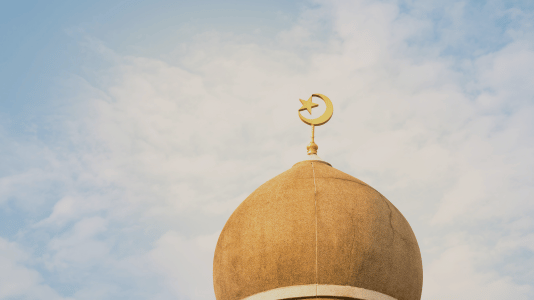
(325, 117)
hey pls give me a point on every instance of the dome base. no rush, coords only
(325, 291)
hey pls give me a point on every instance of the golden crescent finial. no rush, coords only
(325, 117)
(308, 105)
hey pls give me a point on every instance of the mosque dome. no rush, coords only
(314, 231)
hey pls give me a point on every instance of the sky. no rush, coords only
(131, 130)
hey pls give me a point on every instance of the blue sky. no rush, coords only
(130, 131)
(42, 37)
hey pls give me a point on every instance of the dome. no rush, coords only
(316, 231)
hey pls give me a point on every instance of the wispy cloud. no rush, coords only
(150, 156)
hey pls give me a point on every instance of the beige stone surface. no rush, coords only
(362, 240)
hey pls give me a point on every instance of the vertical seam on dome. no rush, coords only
(316, 247)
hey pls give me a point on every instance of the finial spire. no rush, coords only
(312, 146)
(325, 117)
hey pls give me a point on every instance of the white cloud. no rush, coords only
(156, 154)
(78, 246)
(454, 276)
(185, 264)
(17, 280)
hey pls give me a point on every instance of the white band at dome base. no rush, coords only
(322, 290)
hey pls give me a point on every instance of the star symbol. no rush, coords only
(308, 105)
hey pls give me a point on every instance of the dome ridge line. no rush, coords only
(316, 234)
